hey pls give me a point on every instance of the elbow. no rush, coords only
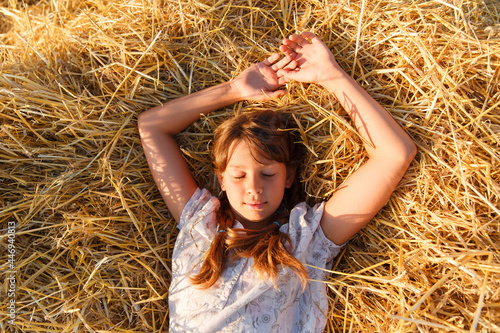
(147, 122)
(142, 120)
(410, 151)
(406, 155)
(158, 120)
(398, 157)
(141, 124)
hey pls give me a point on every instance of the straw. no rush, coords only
(93, 237)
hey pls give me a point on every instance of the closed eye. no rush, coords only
(268, 175)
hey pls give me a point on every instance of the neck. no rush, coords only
(255, 225)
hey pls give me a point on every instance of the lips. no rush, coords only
(255, 205)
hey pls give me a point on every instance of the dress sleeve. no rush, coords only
(310, 245)
(200, 213)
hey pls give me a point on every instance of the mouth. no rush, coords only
(255, 205)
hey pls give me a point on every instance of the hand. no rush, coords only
(314, 61)
(261, 81)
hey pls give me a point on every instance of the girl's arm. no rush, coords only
(389, 148)
(159, 125)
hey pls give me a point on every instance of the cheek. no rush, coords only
(231, 186)
(276, 185)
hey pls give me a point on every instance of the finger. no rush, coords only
(279, 93)
(269, 94)
(285, 49)
(292, 44)
(297, 39)
(283, 74)
(272, 58)
(282, 80)
(300, 40)
(294, 63)
(291, 65)
(282, 63)
(288, 51)
(309, 36)
(288, 74)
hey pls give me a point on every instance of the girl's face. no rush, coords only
(254, 190)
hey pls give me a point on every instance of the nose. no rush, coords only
(253, 184)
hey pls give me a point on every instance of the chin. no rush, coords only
(252, 218)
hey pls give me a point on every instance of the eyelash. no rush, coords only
(265, 175)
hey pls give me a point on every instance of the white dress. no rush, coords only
(241, 301)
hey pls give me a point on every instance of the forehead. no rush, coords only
(240, 155)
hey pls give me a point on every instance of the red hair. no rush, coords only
(268, 135)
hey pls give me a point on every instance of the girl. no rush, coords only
(253, 260)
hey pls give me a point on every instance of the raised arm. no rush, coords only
(389, 148)
(159, 125)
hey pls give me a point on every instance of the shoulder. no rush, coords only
(202, 206)
(305, 231)
(304, 220)
(303, 212)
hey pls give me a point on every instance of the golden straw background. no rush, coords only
(93, 237)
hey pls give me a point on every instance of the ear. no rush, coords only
(220, 177)
(290, 176)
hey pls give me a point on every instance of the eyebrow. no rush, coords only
(242, 166)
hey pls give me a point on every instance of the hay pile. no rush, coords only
(93, 238)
